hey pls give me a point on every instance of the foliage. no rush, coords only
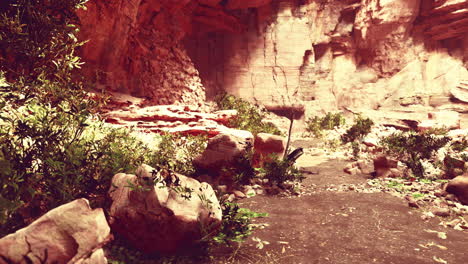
(412, 147)
(249, 117)
(241, 170)
(50, 156)
(176, 152)
(360, 128)
(236, 224)
(38, 40)
(316, 125)
(278, 171)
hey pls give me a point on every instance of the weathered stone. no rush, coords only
(71, 233)
(459, 187)
(383, 164)
(365, 166)
(442, 211)
(162, 217)
(266, 145)
(460, 92)
(239, 194)
(223, 151)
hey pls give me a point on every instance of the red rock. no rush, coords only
(159, 218)
(266, 145)
(71, 233)
(242, 4)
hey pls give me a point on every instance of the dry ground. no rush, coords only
(345, 227)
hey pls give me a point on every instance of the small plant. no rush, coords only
(279, 171)
(360, 128)
(249, 117)
(316, 125)
(410, 148)
(236, 224)
(242, 171)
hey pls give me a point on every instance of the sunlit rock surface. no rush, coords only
(71, 233)
(328, 55)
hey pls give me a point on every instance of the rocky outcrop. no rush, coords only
(460, 92)
(224, 151)
(331, 54)
(135, 48)
(446, 19)
(71, 233)
(334, 54)
(163, 211)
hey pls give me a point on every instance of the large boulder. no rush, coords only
(224, 150)
(161, 211)
(459, 187)
(266, 145)
(71, 233)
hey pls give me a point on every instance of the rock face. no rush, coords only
(132, 112)
(135, 48)
(71, 233)
(368, 54)
(223, 151)
(163, 217)
(337, 54)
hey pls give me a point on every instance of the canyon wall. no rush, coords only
(328, 54)
(135, 47)
(341, 54)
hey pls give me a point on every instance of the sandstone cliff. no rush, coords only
(331, 54)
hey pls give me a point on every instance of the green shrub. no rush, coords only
(316, 125)
(38, 40)
(176, 152)
(279, 170)
(360, 128)
(236, 224)
(249, 117)
(410, 148)
(50, 156)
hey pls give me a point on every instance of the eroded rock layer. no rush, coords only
(368, 54)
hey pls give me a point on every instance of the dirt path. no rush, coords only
(325, 226)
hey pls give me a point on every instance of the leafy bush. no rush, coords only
(50, 156)
(236, 224)
(279, 170)
(249, 117)
(316, 125)
(176, 152)
(38, 40)
(360, 128)
(412, 147)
